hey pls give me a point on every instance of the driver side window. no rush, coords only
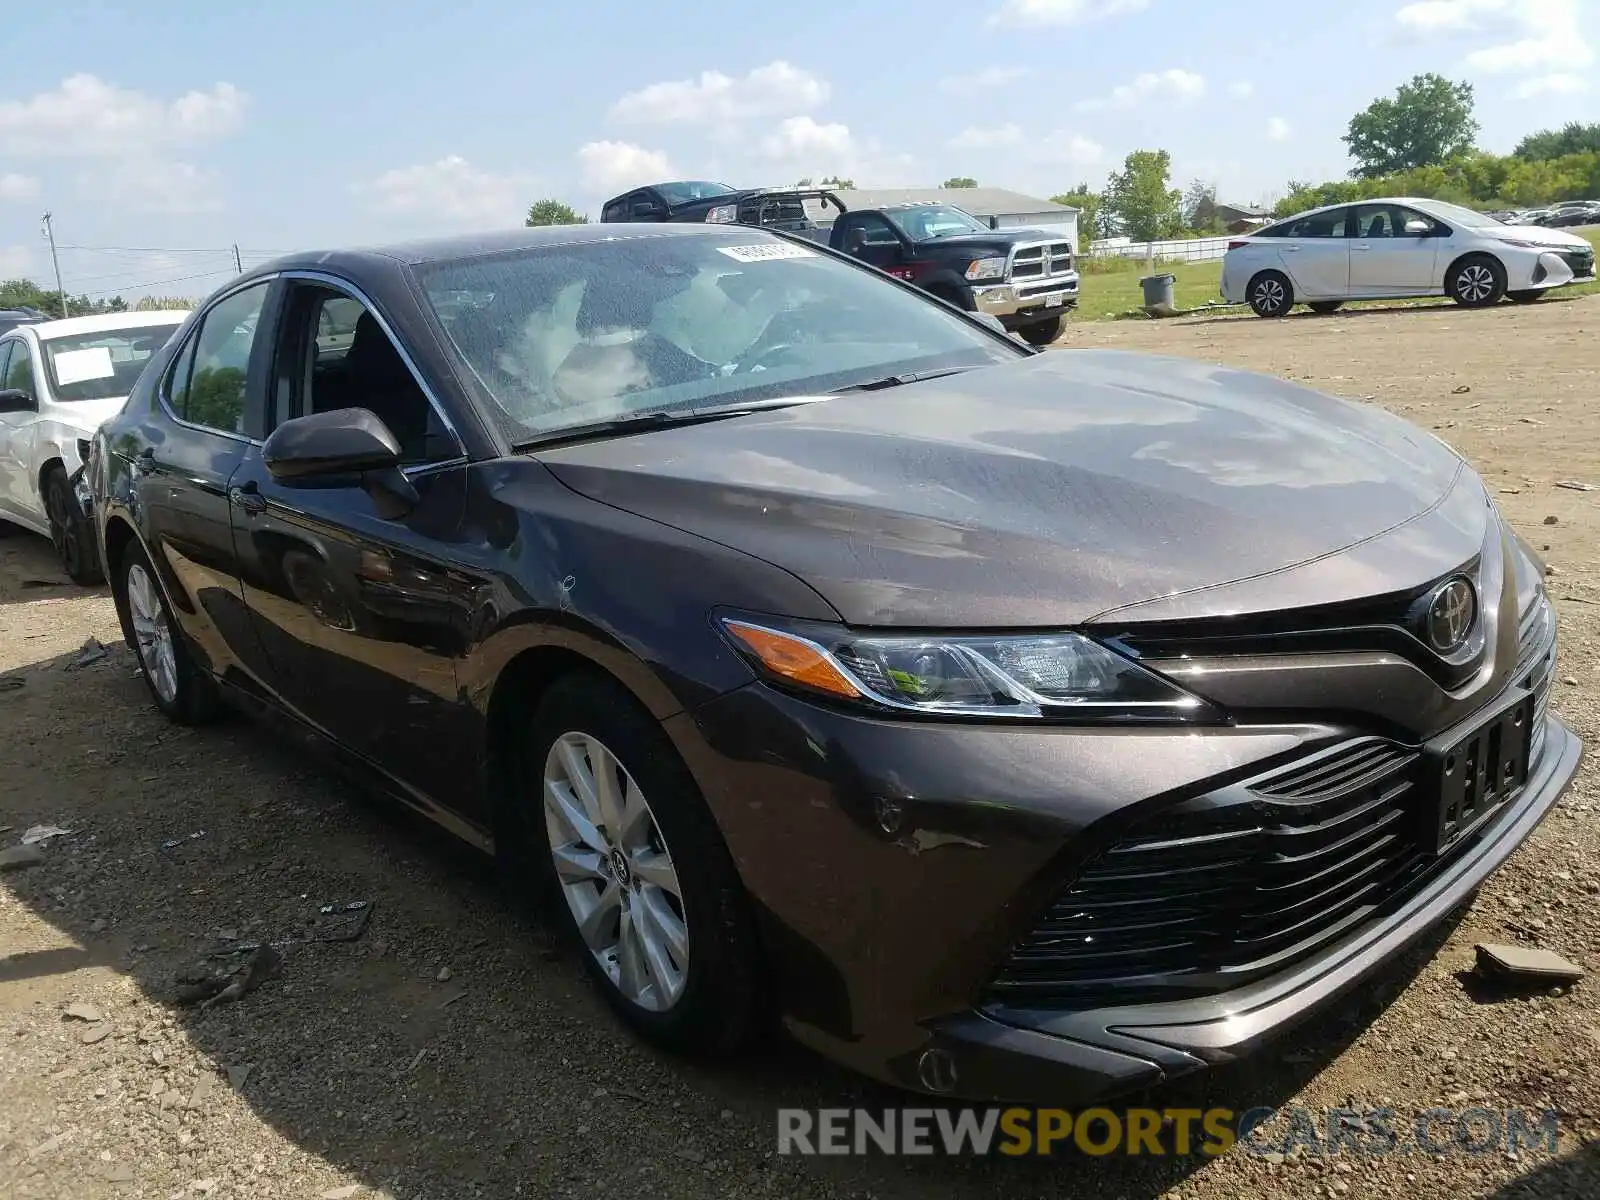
(19, 368)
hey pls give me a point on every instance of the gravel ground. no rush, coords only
(449, 1051)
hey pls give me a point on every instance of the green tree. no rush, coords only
(1087, 202)
(554, 212)
(1141, 197)
(838, 184)
(960, 181)
(1200, 207)
(1426, 123)
(1575, 137)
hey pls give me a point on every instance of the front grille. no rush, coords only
(1581, 262)
(1048, 260)
(1230, 887)
(1536, 663)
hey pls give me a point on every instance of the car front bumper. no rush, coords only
(1018, 304)
(895, 866)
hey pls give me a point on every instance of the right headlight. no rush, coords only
(1060, 676)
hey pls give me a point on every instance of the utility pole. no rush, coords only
(50, 234)
(238, 267)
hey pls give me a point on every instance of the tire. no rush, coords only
(1271, 294)
(183, 692)
(71, 534)
(1530, 296)
(1325, 306)
(1477, 281)
(699, 993)
(1041, 333)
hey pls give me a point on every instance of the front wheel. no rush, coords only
(70, 532)
(1527, 296)
(1271, 294)
(1041, 333)
(612, 821)
(1477, 281)
(181, 690)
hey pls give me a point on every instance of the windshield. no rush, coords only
(102, 365)
(929, 221)
(1457, 215)
(691, 189)
(597, 330)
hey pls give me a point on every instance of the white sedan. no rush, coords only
(58, 381)
(1385, 249)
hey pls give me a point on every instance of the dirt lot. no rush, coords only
(449, 1052)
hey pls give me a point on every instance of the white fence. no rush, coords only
(1206, 249)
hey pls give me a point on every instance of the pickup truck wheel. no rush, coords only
(1041, 333)
(72, 535)
(613, 824)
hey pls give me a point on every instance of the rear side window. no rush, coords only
(1313, 225)
(207, 383)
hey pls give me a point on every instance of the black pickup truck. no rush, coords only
(1026, 278)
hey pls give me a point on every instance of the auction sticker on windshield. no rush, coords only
(749, 254)
(77, 366)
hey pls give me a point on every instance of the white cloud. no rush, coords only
(1448, 16)
(88, 117)
(1062, 12)
(802, 140)
(15, 262)
(612, 167)
(1070, 149)
(715, 98)
(1241, 89)
(1534, 36)
(986, 79)
(18, 187)
(1175, 85)
(976, 138)
(1558, 84)
(145, 185)
(1277, 129)
(452, 191)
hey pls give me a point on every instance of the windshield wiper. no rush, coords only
(658, 419)
(888, 381)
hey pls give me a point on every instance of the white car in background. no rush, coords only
(58, 381)
(1385, 249)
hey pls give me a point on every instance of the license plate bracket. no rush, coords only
(1474, 772)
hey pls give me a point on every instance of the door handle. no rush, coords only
(249, 498)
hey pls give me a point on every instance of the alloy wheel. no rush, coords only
(1270, 295)
(1475, 283)
(616, 872)
(152, 633)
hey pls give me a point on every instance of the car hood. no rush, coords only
(86, 416)
(1540, 235)
(1042, 492)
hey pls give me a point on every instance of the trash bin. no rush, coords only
(1158, 291)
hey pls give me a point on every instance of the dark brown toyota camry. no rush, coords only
(1017, 725)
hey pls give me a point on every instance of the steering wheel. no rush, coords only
(758, 360)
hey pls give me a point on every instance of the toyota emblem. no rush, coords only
(1451, 612)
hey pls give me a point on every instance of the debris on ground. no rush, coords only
(82, 1010)
(96, 1033)
(199, 986)
(92, 652)
(341, 922)
(1525, 964)
(14, 858)
(445, 975)
(10, 683)
(43, 833)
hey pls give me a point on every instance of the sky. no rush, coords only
(160, 134)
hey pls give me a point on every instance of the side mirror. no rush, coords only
(344, 441)
(15, 400)
(1416, 227)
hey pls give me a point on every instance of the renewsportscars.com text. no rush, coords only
(1377, 1132)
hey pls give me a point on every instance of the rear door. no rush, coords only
(181, 480)
(1315, 252)
(1385, 260)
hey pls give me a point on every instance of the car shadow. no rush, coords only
(29, 569)
(445, 1042)
(1436, 307)
(1574, 1176)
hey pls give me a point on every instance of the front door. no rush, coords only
(350, 590)
(1386, 260)
(869, 237)
(16, 372)
(182, 478)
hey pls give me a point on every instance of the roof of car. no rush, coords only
(102, 322)
(469, 245)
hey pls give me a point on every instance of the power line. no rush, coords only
(167, 250)
(157, 283)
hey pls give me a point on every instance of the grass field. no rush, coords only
(1110, 286)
